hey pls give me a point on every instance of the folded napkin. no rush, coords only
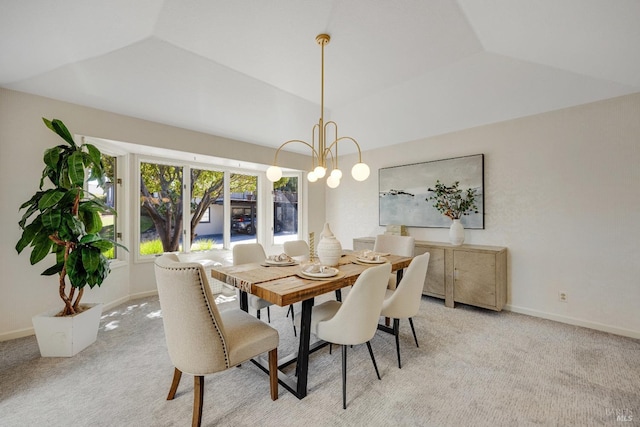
(371, 255)
(280, 258)
(314, 268)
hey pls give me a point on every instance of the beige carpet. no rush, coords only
(474, 368)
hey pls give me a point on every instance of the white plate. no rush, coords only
(381, 260)
(328, 272)
(279, 263)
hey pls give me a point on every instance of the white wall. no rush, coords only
(562, 192)
(23, 139)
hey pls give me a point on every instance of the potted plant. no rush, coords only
(452, 202)
(65, 220)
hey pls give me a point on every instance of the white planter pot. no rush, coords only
(456, 233)
(66, 336)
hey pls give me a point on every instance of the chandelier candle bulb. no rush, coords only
(326, 151)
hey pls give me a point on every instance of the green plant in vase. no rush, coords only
(66, 219)
(453, 202)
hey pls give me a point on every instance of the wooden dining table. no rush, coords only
(283, 285)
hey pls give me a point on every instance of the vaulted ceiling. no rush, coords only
(395, 70)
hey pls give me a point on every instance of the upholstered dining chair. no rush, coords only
(404, 301)
(395, 245)
(353, 321)
(297, 249)
(246, 253)
(202, 340)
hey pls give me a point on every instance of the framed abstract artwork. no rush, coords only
(404, 191)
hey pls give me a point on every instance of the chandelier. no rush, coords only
(325, 152)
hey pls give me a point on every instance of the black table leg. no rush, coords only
(303, 349)
(298, 385)
(244, 301)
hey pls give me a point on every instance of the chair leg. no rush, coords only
(198, 394)
(273, 373)
(177, 374)
(268, 315)
(373, 359)
(414, 331)
(344, 377)
(293, 319)
(396, 332)
(258, 313)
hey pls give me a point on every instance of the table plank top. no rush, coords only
(282, 286)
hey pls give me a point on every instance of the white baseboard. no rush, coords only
(21, 333)
(573, 321)
(122, 300)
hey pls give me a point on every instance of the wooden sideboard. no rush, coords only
(469, 274)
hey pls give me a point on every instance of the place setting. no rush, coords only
(316, 271)
(281, 260)
(368, 257)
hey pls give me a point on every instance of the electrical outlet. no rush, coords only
(563, 296)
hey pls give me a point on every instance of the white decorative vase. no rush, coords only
(456, 233)
(329, 248)
(66, 336)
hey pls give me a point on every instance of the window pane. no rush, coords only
(207, 209)
(285, 210)
(161, 211)
(107, 193)
(244, 215)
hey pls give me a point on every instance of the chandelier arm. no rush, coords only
(335, 137)
(350, 139)
(334, 159)
(275, 158)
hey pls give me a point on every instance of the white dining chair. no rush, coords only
(353, 321)
(247, 253)
(297, 249)
(201, 339)
(404, 301)
(395, 245)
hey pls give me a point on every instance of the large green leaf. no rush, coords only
(51, 219)
(90, 238)
(76, 227)
(50, 198)
(103, 244)
(58, 127)
(51, 157)
(92, 221)
(75, 270)
(41, 247)
(96, 156)
(53, 269)
(76, 169)
(101, 273)
(32, 209)
(90, 258)
(29, 233)
(33, 200)
(96, 205)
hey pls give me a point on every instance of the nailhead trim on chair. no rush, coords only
(204, 296)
